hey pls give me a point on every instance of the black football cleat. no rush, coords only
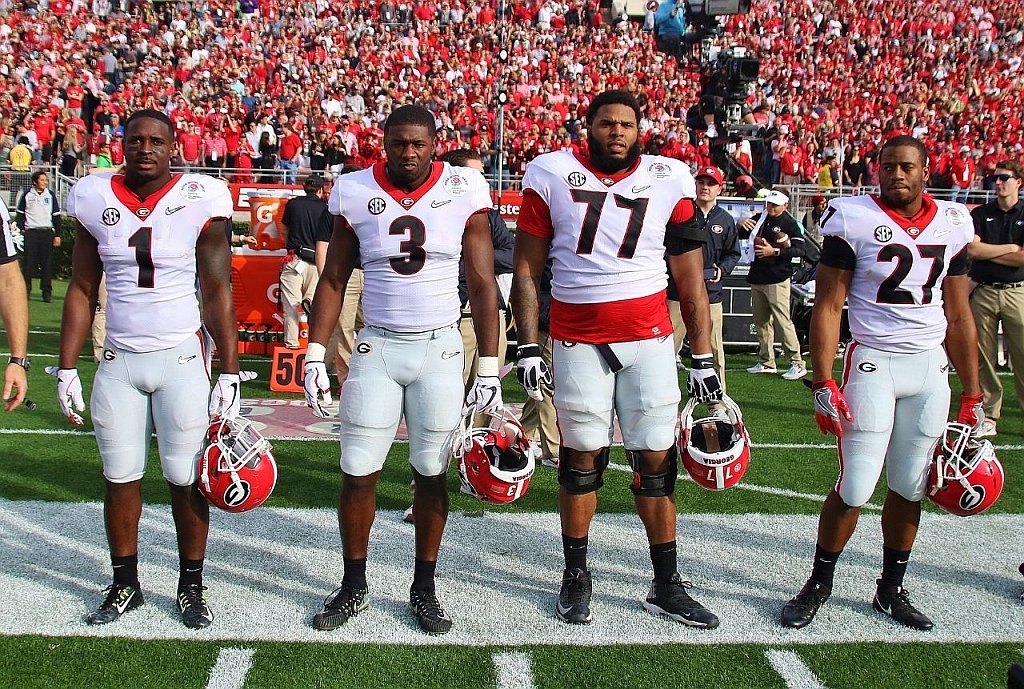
(573, 604)
(894, 601)
(195, 613)
(428, 611)
(120, 599)
(671, 599)
(344, 603)
(801, 609)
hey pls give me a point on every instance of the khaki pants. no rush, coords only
(298, 281)
(771, 317)
(99, 322)
(717, 345)
(349, 323)
(540, 416)
(990, 306)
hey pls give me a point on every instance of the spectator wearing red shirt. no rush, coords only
(962, 169)
(290, 152)
(190, 144)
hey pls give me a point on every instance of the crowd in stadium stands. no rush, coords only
(263, 85)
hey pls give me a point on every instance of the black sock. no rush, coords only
(423, 575)
(824, 569)
(355, 573)
(663, 557)
(126, 569)
(894, 566)
(575, 551)
(190, 572)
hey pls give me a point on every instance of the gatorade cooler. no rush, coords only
(266, 209)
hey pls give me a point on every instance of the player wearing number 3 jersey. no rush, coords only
(606, 220)
(156, 236)
(900, 259)
(408, 221)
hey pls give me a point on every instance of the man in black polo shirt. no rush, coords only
(721, 254)
(998, 268)
(305, 218)
(777, 241)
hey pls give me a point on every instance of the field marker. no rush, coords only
(514, 670)
(231, 668)
(792, 669)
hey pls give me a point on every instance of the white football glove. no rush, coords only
(531, 371)
(226, 397)
(703, 385)
(315, 381)
(69, 393)
(485, 395)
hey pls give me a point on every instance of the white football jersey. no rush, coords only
(895, 299)
(410, 244)
(609, 238)
(148, 249)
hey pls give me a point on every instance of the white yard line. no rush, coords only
(514, 670)
(498, 576)
(231, 669)
(792, 669)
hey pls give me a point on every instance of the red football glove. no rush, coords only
(829, 403)
(972, 412)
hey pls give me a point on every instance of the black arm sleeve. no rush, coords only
(683, 237)
(959, 263)
(837, 253)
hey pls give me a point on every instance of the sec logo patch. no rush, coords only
(883, 233)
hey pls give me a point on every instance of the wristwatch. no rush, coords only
(20, 361)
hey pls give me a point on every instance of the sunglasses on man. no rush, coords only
(1003, 177)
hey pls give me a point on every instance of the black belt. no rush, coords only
(1003, 285)
(39, 228)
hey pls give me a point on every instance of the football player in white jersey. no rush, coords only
(155, 236)
(606, 219)
(408, 221)
(900, 258)
(14, 313)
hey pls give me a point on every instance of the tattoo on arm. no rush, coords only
(688, 310)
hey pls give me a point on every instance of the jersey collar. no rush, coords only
(141, 208)
(912, 226)
(605, 178)
(406, 200)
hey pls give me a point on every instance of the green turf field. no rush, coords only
(788, 481)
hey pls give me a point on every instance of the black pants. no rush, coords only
(39, 259)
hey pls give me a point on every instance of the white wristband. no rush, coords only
(487, 367)
(315, 352)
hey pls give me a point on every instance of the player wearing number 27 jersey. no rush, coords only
(899, 258)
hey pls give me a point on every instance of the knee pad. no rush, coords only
(578, 482)
(649, 485)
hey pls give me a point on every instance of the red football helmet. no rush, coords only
(237, 471)
(715, 450)
(495, 463)
(965, 477)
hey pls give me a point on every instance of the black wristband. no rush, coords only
(702, 361)
(527, 350)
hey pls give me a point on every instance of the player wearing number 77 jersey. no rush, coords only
(156, 236)
(407, 221)
(901, 260)
(606, 220)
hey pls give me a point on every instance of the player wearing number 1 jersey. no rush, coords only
(606, 220)
(900, 259)
(156, 237)
(408, 221)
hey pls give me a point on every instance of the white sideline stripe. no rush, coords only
(792, 669)
(269, 569)
(231, 668)
(514, 670)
